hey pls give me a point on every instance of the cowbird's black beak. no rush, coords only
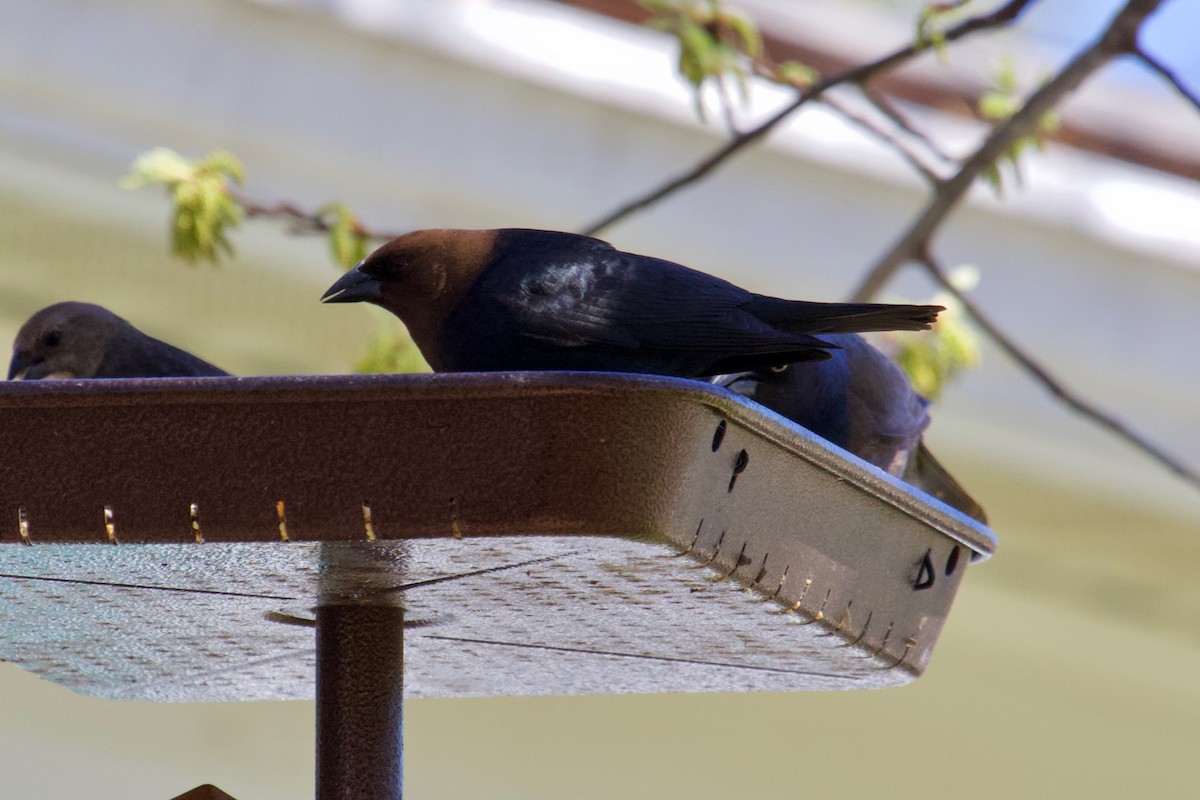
(354, 287)
(21, 362)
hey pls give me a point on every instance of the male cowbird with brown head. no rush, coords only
(862, 402)
(81, 340)
(516, 299)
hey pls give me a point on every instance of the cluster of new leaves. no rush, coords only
(714, 41)
(932, 20)
(934, 359)
(997, 105)
(717, 43)
(347, 239)
(204, 210)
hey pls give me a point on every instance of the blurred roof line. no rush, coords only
(1100, 125)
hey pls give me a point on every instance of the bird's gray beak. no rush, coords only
(354, 287)
(19, 367)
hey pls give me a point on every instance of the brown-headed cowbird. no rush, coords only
(81, 340)
(861, 401)
(517, 299)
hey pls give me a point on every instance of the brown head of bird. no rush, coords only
(419, 277)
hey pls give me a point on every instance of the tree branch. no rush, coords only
(1119, 38)
(301, 221)
(1165, 71)
(901, 147)
(1054, 385)
(860, 74)
(889, 110)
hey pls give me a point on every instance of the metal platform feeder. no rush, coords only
(452, 535)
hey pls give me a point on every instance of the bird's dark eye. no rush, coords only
(52, 339)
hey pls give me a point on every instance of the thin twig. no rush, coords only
(889, 110)
(1119, 38)
(860, 74)
(902, 147)
(765, 67)
(1165, 71)
(727, 106)
(301, 221)
(1054, 385)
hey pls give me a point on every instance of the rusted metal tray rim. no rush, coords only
(318, 388)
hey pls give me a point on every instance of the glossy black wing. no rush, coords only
(571, 291)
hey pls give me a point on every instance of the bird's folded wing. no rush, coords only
(623, 301)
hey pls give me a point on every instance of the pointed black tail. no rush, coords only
(798, 316)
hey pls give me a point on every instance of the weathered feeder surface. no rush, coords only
(545, 533)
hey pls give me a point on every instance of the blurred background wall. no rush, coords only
(1068, 667)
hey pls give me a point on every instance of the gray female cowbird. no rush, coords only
(862, 402)
(517, 299)
(81, 340)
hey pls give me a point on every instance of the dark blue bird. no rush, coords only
(517, 299)
(862, 402)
